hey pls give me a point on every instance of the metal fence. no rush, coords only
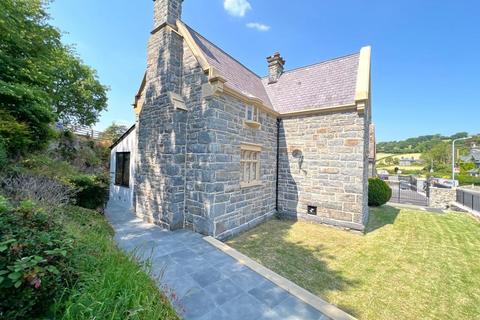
(405, 190)
(469, 198)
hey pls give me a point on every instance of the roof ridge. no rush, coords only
(223, 51)
(318, 63)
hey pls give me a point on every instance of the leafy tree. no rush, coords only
(459, 135)
(418, 144)
(78, 97)
(113, 132)
(440, 154)
(41, 80)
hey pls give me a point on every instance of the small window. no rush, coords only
(122, 169)
(250, 165)
(251, 113)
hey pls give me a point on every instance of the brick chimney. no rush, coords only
(275, 67)
(166, 12)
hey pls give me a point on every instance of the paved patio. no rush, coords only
(201, 281)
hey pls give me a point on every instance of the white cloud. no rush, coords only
(237, 8)
(258, 26)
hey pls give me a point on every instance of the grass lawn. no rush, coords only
(381, 156)
(111, 285)
(403, 168)
(409, 265)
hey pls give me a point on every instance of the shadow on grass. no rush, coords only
(380, 217)
(304, 264)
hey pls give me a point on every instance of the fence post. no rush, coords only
(399, 190)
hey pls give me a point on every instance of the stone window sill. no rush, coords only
(252, 124)
(250, 184)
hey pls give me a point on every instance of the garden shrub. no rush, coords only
(34, 260)
(4, 205)
(92, 191)
(3, 154)
(379, 192)
(47, 165)
(39, 188)
(468, 180)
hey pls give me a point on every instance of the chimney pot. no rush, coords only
(275, 67)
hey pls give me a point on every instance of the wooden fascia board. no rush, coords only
(248, 100)
(315, 111)
(192, 45)
(139, 93)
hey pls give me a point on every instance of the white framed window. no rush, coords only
(251, 113)
(250, 165)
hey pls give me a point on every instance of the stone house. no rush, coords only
(474, 155)
(218, 149)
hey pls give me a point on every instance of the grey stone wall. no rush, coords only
(216, 203)
(441, 198)
(236, 209)
(198, 156)
(324, 163)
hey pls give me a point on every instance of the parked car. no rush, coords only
(404, 185)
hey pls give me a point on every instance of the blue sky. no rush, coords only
(425, 54)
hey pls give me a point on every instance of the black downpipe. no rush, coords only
(278, 164)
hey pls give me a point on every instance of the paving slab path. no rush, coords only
(201, 281)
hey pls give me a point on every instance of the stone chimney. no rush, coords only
(275, 67)
(161, 140)
(166, 12)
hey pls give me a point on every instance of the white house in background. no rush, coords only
(122, 171)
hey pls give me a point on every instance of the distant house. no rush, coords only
(406, 162)
(474, 172)
(474, 155)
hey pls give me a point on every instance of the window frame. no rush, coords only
(252, 122)
(254, 112)
(250, 165)
(122, 169)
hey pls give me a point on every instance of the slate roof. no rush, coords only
(476, 155)
(326, 84)
(237, 75)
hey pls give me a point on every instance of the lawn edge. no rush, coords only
(316, 302)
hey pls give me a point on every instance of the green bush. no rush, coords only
(4, 205)
(3, 154)
(468, 180)
(92, 191)
(379, 192)
(34, 260)
(45, 165)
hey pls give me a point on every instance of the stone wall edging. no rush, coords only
(316, 302)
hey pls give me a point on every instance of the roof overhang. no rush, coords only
(322, 110)
(218, 83)
(122, 137)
